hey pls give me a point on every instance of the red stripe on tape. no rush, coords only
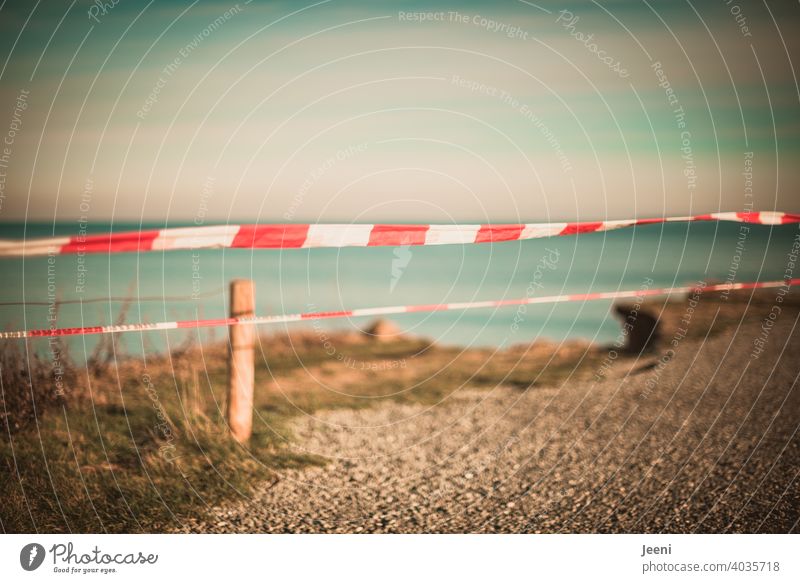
(67, 331)
(317, 315)
(790, 218)
(577, 228)
(270, 236)
(397, 235)
(112, 242)
(497, 233)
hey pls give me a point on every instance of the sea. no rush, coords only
(184, 285)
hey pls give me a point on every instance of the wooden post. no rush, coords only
(241, 364)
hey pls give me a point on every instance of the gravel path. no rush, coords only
(707, 442)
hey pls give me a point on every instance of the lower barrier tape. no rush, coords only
(388, 310)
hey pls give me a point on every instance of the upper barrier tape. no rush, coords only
(291, 236)
(386, 310)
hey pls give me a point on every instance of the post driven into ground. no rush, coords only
(241, 364)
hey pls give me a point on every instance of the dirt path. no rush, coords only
(708, 442)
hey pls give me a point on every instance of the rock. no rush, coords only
(383, 331)
(644, 329)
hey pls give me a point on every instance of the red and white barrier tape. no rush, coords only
(388, 310)
(353, 235)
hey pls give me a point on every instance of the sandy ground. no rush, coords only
(705, 442)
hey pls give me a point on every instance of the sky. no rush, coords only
(336, 111)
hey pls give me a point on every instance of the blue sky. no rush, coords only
(353, 111)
